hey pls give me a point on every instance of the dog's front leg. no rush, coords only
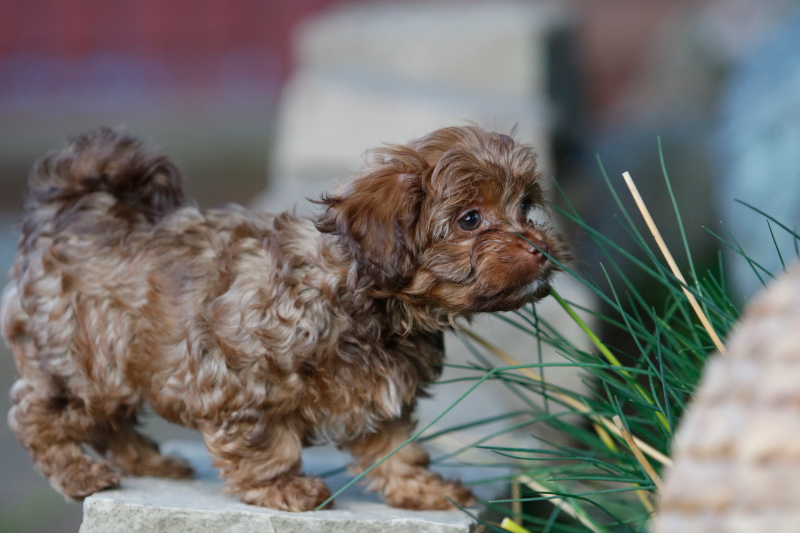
(404, 478)
(260, 461)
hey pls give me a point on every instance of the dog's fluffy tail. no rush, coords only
(142, 182)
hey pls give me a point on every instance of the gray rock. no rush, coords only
(198, 506)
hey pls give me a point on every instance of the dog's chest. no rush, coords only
(339, 407)
(344, 396)
(339, 398)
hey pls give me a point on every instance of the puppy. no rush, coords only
(264, 332)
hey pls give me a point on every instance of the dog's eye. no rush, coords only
(525, 208)
(470, 221)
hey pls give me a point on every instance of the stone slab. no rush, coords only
(159, 505)
(145, 505)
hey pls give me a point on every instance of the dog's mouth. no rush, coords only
(516, 293)
(541, 286)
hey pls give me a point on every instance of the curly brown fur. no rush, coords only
(265, 332)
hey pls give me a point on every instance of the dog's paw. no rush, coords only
(175, 467)
(158, 466)
(289, 493)
(426, 490)
(83, 478)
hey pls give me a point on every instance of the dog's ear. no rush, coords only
(376, 217)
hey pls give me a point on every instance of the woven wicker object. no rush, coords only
(737, 452)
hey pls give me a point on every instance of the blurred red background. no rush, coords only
(205, 48)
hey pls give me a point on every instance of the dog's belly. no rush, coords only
(331, 400)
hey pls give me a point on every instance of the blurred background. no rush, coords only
(265, 102)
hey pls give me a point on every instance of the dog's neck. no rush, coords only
(402, 313)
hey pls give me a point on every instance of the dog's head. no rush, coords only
(443, 222)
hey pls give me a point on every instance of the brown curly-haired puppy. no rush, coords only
(265, 332)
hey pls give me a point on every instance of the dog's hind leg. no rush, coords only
(51, 427)
(47, 421)
(137, 455)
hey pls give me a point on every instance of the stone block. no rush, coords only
(168, 506)
(499, 49)
(197, 506)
